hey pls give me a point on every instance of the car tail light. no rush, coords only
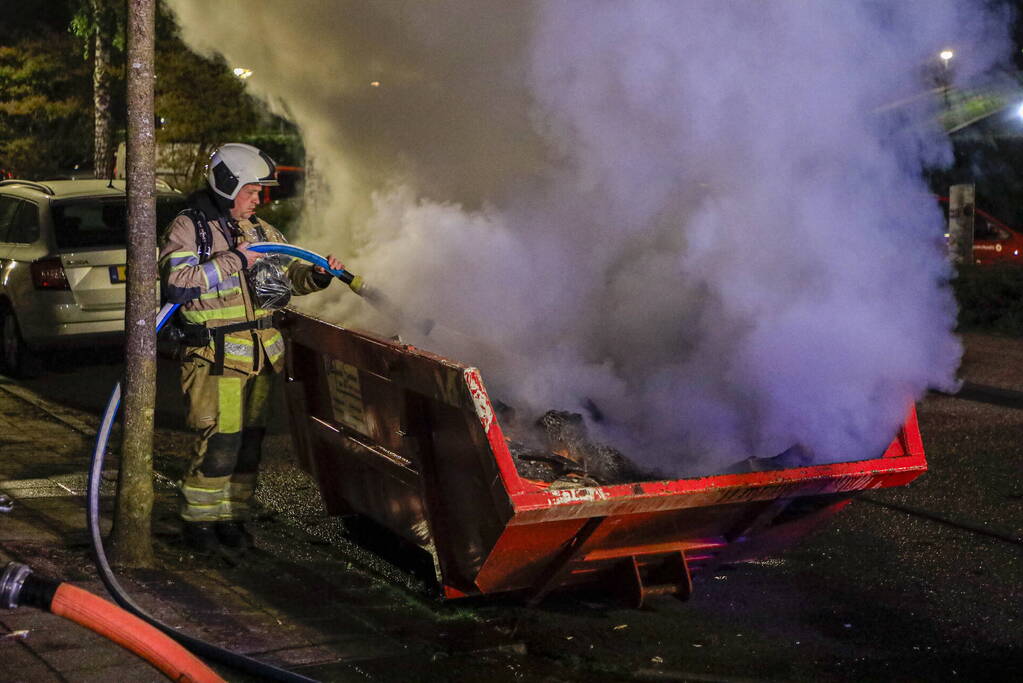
(49, 274)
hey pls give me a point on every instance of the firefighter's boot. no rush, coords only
(233, 534)
(201, 537)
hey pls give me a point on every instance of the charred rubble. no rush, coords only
(556, 449)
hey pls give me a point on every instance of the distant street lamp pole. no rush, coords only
(946, 56)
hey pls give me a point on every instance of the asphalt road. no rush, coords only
(923, 583)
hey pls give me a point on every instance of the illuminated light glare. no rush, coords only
(375, 84)
(242, 72)
(1019, 111)
(7, 275)
(946, 55)
(1015, 252)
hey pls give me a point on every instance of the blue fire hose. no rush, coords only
(196, 646)
(306, 255)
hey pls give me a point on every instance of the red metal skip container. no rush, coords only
(411, 441)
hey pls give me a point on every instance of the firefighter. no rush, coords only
(231, 350)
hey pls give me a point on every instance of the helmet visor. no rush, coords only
(271, 178)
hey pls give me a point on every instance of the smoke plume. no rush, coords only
(706, 218)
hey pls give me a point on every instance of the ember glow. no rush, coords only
(704, 217)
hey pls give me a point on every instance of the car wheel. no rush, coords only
(17, 359)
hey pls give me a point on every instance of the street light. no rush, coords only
(946, 56)
(242, 72)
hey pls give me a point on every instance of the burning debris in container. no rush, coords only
(703, 215)
(557, 448)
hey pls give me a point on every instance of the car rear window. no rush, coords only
(8, 207)
(103, 222)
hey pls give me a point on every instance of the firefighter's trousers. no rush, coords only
(229, 413)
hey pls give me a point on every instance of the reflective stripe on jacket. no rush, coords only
(216, 293)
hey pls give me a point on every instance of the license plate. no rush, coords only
(118, 274)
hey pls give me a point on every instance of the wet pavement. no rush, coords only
(923, 583)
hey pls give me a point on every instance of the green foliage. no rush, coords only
(284, 148)
(91, 16)
(45, 114)
(200, 102)
(966, 106)
(31, 18)
(990, 298)
(81, 26)
(46, 117)
(200, 99)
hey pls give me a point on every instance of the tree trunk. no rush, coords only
(202, 157)
(103, 156)
(132, 540)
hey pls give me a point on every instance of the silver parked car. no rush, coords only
(62, 264)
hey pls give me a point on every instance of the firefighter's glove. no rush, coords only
(249, 258)
(321, 278)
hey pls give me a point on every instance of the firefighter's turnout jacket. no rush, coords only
(215, 293)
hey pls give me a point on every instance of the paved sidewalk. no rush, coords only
(295, 601)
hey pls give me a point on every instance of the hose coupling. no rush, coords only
(11, 583)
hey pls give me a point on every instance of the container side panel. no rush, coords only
(356, 478)
(432, 376)
(523, 552)
(404, 438)
(470, 502)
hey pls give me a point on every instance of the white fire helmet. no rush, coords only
(235, 165)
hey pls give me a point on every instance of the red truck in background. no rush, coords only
(290, 179)
(994, 242)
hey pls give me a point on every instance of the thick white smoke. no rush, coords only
(702, 216)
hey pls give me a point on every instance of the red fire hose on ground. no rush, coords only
(19, 586)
